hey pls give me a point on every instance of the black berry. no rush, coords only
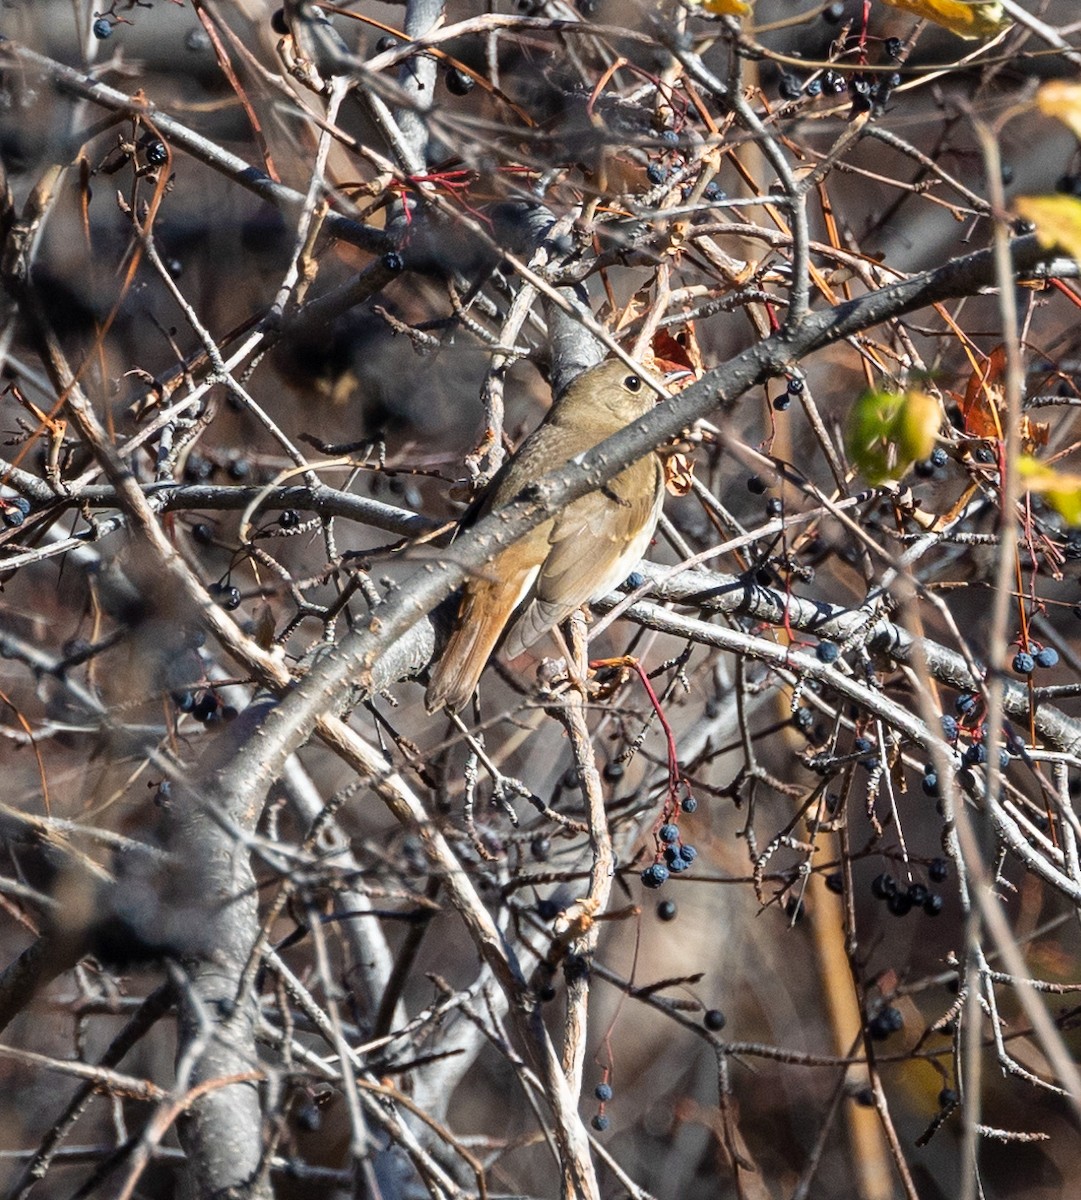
(458, 82)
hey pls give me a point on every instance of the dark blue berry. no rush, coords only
(883, 886)
(668, 833)
(666, 910)
(947, 1098)
(932, 906)
(393, 261)
(965, 703)
(917, 893)
(930, 784)
(603, 1091)
(385, 43)
(949, 727)
(714, 1020)
(677, 864)
(689, 804)
(1023, 663)
(861, 745)
(813, 88)
(600, 1122)
(782, 402)
(795, 386)
(833, 14)
(156, 154)
(939, 457)
(1047, 657)
(938, 870)
(656, 174)
(289, 518)
(899, 904)
(893, 47)
(789, 87)
(975, 755)
(102, 28)
(827, 652)
(713, 193)
(654, 875)
(670, 137)
(688, 853)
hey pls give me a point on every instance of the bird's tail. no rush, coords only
(485, 610)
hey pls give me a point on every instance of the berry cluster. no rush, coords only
(226, 595)
(204, 706)
(674, 856)
(794, 388)
(1025, 662)
(902, 900)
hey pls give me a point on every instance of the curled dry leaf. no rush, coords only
(678, 474)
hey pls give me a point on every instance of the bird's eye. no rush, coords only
(632, 383)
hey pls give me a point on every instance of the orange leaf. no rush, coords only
(677, 352)
(983, 396)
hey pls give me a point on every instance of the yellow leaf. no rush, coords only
(917, 425)
(1062, 100)
(889, 431)
(1062, 491)
(727, 8)
(1057, 220)
(967, 18)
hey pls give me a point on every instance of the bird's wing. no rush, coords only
(595, 544)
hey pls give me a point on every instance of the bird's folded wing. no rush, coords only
(595, 544)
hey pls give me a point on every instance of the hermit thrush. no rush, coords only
(577, 556)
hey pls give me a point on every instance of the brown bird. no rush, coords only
(577, 556)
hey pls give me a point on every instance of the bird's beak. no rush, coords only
(677, 380)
